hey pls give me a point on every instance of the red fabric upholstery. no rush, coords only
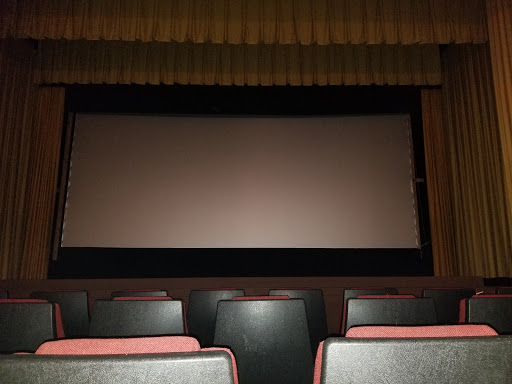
(131, 298)
(142, 290)
(23, 301)
(59, 326)
(465, 330)
(120, 346)
(386, 297)
(462, 311)
(462, 305)
(218, 289)
(318, 364)
(260, 298)
(233, 360)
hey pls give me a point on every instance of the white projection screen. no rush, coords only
(154, 181)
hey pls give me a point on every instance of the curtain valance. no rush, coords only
(101, 62)
(303, 22)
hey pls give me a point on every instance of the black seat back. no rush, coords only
(114, 318)
(352, 293)
(315, 311)
(494, 311)
(390, 311)
(202, 310)
(270, 340)
(473, 360)
(447, 302)
(205, 367)
(74, 306)
(24, 326)
(138, 293)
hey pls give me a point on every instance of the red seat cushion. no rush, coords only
(465, 330)
(117, 346)
(129, 298)
(260, 298)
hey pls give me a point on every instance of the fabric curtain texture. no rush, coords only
(31, 125)
(16, 103)
(482, 231)
(499, 14)
(438, 184)
(303, 22)
(107, 62)
(467, 119)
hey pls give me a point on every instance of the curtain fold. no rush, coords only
(16, 105)
(482, 232)
(303, 22)
(101, 62)
(40, 194)
(31, 122)
(438, 184)
(499, 16)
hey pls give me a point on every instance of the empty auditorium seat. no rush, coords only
(74, 306)
(202, 309)
(4, 294)
(152, 360)
(269, 338)
(315, 311)
(447, 302)
(26, 323)
(448, 360)
(114, 318)
(351, 293)
(354, 292)
(504, 290)
(139, 292)
(494, 310)
(389, 310)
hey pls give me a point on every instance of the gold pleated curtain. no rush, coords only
(304, 22)
(45, 45)
(499, 14)
(108, 62)
(31, 125)
(482, 231)
(439, 184)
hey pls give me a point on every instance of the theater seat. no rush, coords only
(418, 360)
(202, 310)
(315, 311)
(152, 360)
(26, 323)
(116, 318)
(269, 338)
(139, 292)
(352, 293)
(389, 310)
(504, 290)
(493, 310)
(74, 306)
(4, 295)
(447, 302)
